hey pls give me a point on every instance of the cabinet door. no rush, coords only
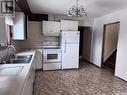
(19, 28)
(51, 27)
(69, 25)
(33, 68)
(39, 59)
(28, 87)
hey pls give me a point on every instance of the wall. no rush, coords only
(84, 21)
(34, 34)
(111, 39)
(2, 36)
(96, 48)
(2, 31)
(34, 37)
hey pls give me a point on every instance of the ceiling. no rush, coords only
(94, 8)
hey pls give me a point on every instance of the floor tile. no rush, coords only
(87, 80)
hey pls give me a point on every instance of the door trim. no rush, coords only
(104, 31)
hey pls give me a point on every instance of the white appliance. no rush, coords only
(51, 59)
(70, 49)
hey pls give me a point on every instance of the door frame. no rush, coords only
(103, 41)
(81, 39)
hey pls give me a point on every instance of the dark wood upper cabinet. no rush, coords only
(37, 17)
(17, 8)
(22, 5)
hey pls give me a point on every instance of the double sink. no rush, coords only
(20, 59)
(15, 70)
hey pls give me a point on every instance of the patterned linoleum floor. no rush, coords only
(88, 80)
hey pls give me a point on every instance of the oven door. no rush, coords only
(49, 57)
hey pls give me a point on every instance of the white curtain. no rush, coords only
(9, 20)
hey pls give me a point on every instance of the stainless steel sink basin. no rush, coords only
(24, 56)
(20, 59)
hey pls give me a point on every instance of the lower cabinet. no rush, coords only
(39, 59)
(32, 70)
(28, 85)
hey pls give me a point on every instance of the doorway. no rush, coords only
(85, 42)
(81, 29)
(109, 46)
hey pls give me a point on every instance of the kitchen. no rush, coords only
(55, 53)
(58, 39)
(43, 57)
(53, 45)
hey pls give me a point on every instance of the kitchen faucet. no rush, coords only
(10, 53)
(11, 47)
(10, 50)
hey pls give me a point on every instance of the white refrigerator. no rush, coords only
(70, 49)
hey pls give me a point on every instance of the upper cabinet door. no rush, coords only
(69, 25)
(19, 28)
(51, 28)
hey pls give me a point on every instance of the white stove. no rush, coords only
(51, 58)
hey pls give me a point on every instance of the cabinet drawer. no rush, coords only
(51, 66)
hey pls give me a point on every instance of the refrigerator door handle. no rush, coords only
(65, 44)
(65, 47)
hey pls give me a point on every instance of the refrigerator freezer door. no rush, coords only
(70, 37)
(70, 56)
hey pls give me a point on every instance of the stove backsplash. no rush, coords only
(51, 41)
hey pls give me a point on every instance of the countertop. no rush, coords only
(13, 85)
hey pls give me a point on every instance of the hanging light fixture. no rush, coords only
(77, 11)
